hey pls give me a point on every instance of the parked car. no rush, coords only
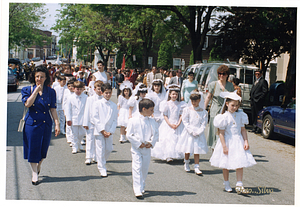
(205, 73)
(36, 59)
(276, 119)
(12, 81)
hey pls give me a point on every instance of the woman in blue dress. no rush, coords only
(40, 99)
(188, 86)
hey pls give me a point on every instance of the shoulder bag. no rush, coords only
(22, 121)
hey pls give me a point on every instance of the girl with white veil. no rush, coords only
(157, 93)
(171, 127)
(123, 107)
(192, 140)
(138, 94)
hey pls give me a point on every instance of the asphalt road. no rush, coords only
(65, 177)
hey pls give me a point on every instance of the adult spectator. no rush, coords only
(214, 90)
(150, 76)
(236, 82)
(258, 93)
(160, 75)
(40, 99)
(119, 80)
(188, 86)
(170, 74)
(178, 80)
(133, 77)
(101, 74)
(145, 76)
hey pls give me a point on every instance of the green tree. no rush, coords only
(165, 55)
(261, 34)
(196, 19)
(24, 19)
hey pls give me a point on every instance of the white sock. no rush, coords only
(239, 183)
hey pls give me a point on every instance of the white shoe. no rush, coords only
(169, 159)
(70, 144)
(186, 165)
(82, 142)
(103, 173)
(198, 172)
(227, 187)
(74, 151)
(88, 161)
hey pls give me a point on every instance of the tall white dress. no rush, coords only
(192, 139)
(237, 157)
(157, 99)
(123, 112)
(168, 137)
(133, 102)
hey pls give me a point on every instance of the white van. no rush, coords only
(205, 73)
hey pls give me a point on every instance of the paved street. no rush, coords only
(65, 177)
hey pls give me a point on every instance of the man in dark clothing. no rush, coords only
(258, 93)
(119, 81)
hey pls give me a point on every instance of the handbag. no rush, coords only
(211, 101)
(22, 121)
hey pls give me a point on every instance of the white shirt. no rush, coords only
(102, 76)
(59, 96)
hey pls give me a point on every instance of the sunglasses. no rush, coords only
(222, 74)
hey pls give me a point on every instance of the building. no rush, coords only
(35, 50)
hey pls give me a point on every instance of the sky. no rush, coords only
(49, 21)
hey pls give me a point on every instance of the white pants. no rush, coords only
(62, 120)
(78, 133)
(69, 134)
(104, 146)
(90, 146)
(140, 165)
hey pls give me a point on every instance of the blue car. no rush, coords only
(276, 119)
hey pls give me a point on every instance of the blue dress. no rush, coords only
(187, 88)
(38, 124)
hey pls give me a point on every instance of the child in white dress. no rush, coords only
(157, 94)
(138, 94)
(192, 139)
(170, 128)
(232, 148)
(123, 107)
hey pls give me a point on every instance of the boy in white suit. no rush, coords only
(59, 89)
(142, 132)
(88, 123)
(74, 115)
(67, 93)
(105, 115)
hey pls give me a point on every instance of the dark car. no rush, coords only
(277, 119)
(12, 81)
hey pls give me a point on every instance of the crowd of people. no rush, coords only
(159, 113)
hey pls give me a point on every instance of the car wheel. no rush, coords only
(267, 127)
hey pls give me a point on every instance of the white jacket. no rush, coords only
(75, 109)
(140, 130)
(105, 115)
(87, 117)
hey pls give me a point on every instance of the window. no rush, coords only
(176, 63)
(248, 77)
